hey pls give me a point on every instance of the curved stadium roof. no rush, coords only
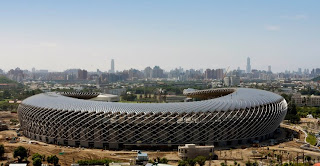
(241, 98)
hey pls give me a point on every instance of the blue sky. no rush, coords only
(57, 35)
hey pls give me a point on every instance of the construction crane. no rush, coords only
(225, 74)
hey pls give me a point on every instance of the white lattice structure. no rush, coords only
(237, 117)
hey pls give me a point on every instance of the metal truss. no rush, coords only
(241, 115)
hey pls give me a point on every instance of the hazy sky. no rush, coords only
(57, 35)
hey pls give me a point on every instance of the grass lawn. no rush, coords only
(311, 139)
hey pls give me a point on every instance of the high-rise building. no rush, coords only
(157, 72)
(112, 67)
(148, 72)
(219, 74)
(248, 65)
(269, 69)
(208, 74)
(82, 74)
(231, 80)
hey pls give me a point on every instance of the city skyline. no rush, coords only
(111, 69)
(79, 34)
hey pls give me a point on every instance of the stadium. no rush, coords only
(223, 117)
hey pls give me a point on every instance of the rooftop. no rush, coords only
(241, 98)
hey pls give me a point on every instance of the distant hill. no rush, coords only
(5, 80)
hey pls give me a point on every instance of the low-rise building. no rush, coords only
(305, 100)
(3, 126)
(192, 151)
(18, 164)
(119, 164)
(142, 158)
(231, 81)
(175, 98)
(106, 98)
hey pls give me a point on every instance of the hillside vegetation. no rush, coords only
(316, 78)
(5, 80)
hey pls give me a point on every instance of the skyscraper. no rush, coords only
(208, 74)
(82, 74)
(269, 69)
(248, 66)
(157, 72)
(219, 74)
(112, 66)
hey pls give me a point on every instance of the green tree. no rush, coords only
(20, 153)
(286, 97)
(1, 150)
(128, 97)
(6, 94)
(201, 160)
(53, 159)
(37, 162)
(292, 114)
(36, 155)
(94, 162)
(163, 160)
(223, 164)
(191, 162)
(308, 158)
(183, 163)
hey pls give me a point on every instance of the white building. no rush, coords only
(192, 151)
(231, 81)
(18, 164)
(107, 98)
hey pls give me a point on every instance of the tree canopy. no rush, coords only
(37, 162)
(201, 160)
(292, 115)
(5, 80)
(316, 78)
(20, 153)
(53, 159)
(1, 150)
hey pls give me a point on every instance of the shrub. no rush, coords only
(94, 162)
(182, 163)
(36, 155)
(37, 162)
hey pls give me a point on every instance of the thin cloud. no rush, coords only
(272, 28)
(295, 17)
(47, 44)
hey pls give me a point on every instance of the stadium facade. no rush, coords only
(228, 116)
